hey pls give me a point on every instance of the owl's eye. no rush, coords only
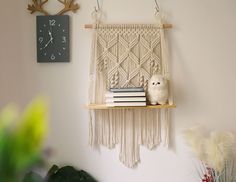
(153, 83)
(158, 83)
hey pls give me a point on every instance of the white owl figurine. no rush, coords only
(158, 90)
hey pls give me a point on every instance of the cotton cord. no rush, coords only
(126, 56)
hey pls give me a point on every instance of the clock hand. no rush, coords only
(50, 34)
(48, 43)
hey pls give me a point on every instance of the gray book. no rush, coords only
(130, 89)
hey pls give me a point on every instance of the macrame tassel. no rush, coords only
(128, 144)
(135, 131)
(92, 85)
(166, 72)
(166, 128)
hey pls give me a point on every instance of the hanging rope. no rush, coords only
(157, 7)
(98, 6)
(97, 13)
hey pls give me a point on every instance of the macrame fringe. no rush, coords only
(128, 128)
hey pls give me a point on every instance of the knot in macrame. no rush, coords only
(141, 81)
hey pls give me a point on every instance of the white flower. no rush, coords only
(196, 139)
(215, 151)
(219, 148)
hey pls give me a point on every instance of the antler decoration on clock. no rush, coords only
(69, 6)
(37, 6)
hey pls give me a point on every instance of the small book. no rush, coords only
(120, 104)
(124, 94)
(126, 99)
(130, 89)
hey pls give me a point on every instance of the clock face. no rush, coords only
(53, 38)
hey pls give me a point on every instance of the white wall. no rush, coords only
(203, 63)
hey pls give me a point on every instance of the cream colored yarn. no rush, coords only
(126, 56)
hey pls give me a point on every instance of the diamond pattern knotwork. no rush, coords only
(129, 56)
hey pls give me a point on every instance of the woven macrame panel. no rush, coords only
(128, 55)
(125, 56)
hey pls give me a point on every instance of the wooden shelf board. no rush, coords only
(103, 106)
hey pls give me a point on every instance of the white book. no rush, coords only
(120, 104)
(126, 99)
(124, 94)
(129, 89)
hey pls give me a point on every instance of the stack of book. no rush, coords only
(134, 96)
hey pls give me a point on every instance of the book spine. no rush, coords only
(126, 99)
(124, 94)
(126, 104)
(133, 89)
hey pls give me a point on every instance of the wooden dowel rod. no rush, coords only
(165, 26)
(88, 26)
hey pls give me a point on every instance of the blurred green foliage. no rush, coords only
(21, 139)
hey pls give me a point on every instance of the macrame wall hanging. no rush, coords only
(127, 55)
